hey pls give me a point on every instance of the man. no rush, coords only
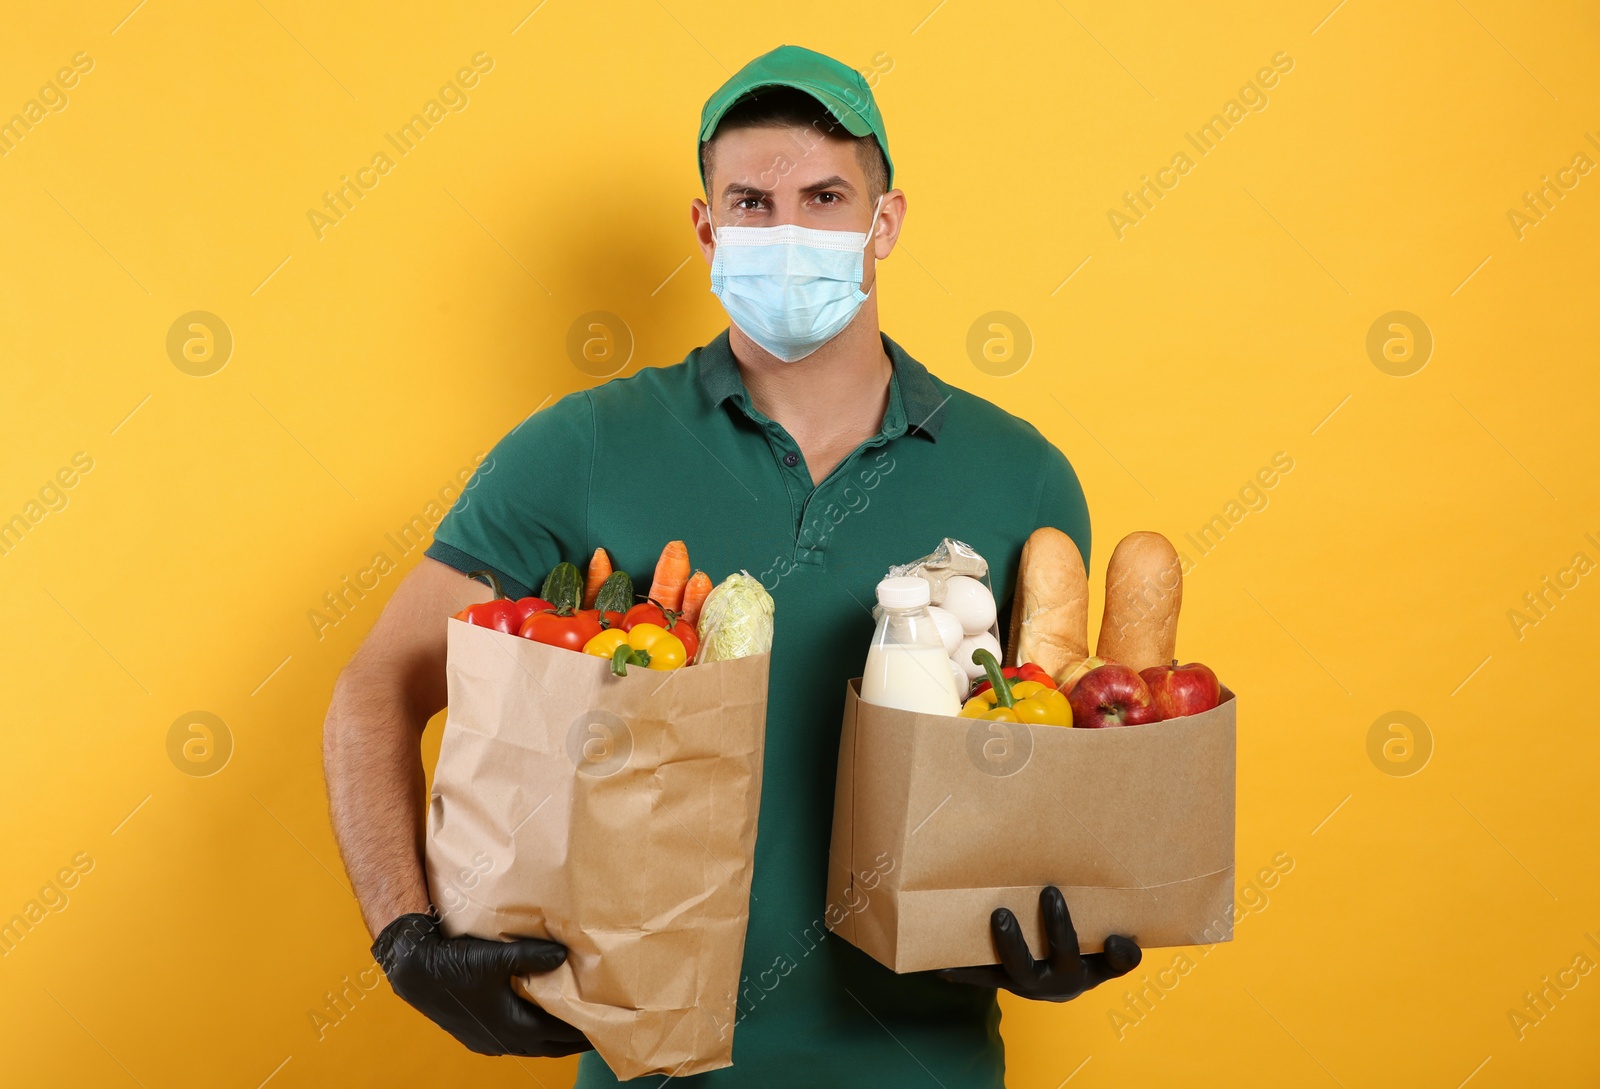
(804, 446)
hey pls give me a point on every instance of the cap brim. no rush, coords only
(853, 122)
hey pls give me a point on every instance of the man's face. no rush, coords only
(764, 177)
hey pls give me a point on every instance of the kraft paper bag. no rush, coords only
(616, 815)
(940, 820)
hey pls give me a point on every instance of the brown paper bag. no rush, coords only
(940, 820)
(616, 815)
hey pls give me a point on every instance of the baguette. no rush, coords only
(1144, 590)
(1050, 610)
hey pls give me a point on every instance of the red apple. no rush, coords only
(1180, 690)
(1111, 695)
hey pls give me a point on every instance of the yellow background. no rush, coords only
(1230, 324)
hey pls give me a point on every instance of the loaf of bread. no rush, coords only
(1050, 610)
(1144, 590)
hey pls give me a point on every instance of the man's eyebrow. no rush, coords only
(834, 182)
(741, 190)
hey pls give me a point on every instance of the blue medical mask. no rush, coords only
(791, 288)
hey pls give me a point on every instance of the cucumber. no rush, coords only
(563, 587)
(616, 594)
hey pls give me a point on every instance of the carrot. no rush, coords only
(694, 596)
(672, 572)
(599, 571)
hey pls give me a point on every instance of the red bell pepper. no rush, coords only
(1027, 671)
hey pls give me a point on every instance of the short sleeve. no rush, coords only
(1061, 500)
(526, 507)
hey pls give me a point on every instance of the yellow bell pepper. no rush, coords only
(648, 645)
(666, 650)
(1006, 700)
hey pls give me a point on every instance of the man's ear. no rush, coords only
(891, 217)
(700, 217)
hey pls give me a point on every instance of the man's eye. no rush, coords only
(828, 198)
(747, 204)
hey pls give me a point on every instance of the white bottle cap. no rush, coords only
(904, 593)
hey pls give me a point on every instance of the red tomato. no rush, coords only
(526, 607)
(648, 612)
(550, 627)
(501, 614)
(689, 637)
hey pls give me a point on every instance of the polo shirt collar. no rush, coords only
(915, 403)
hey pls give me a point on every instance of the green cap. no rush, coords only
(842, 91)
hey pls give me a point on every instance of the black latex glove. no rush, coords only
(463, 985)
(1064, 973)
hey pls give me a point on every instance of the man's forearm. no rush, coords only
(373, 761)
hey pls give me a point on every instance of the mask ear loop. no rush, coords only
(871, 233)
(873, 225)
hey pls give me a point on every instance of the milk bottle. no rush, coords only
(907, 666)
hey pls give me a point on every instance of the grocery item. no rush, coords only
(562, 628)
(1076, 672)
(615, 597)
(1034, 702)
(1180, 690)
(672, 574)
(906, 662)
(563, 587)
(694, 596)
(963, 655)
(960, 602)
(1028, 671)
(959, 675)
(949, 629)
(951, 558)
(1111, 695)
(736, 620)
(1050, 610)
(665, 650)
(500, 613)
(574, 608)
(599, 571)
(1144, 591)
(970, 602)
(648, 612)
(613, 643)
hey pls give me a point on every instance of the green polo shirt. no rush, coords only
(680, 452)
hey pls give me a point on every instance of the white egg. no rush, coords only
(963, 682)
(950, 629)
(971, 603)
(963, 655)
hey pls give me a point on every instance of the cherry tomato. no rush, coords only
(550, 627)
(648, 612)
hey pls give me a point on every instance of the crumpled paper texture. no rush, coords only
(940, 820)
(616, 815)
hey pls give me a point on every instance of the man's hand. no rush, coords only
(1064, 973)
(464, 986)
